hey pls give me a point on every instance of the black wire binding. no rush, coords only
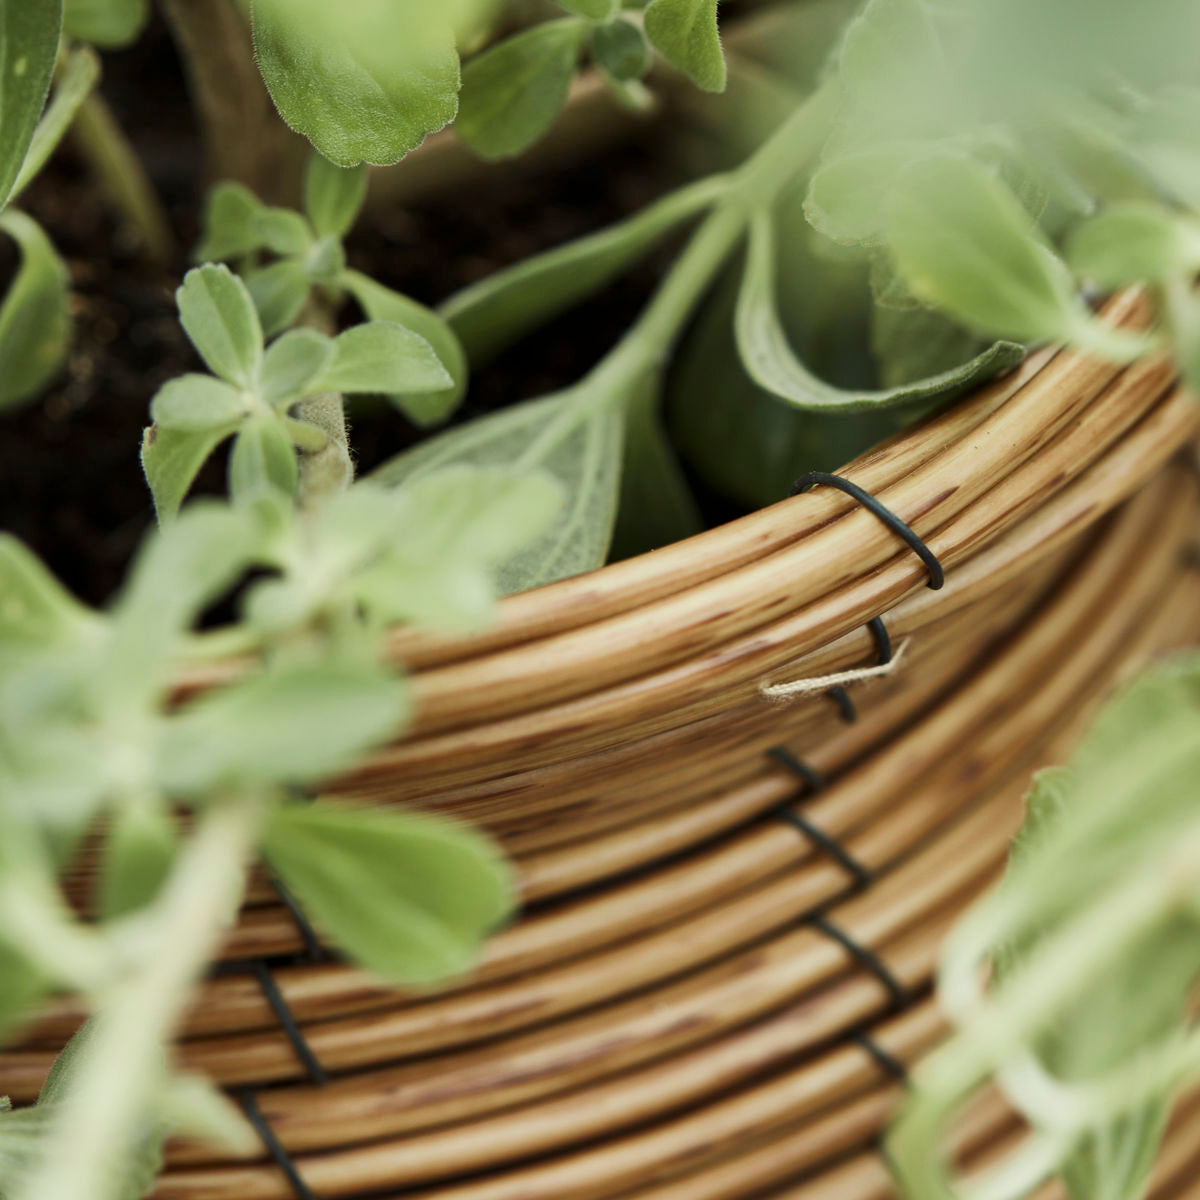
(815, 782)
(288, 1022)
(937, 576)
(887, 1062)
(868, 958)
(313, 950)
(282, 1158)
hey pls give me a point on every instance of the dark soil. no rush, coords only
(72, 486)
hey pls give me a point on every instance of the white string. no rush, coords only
(822, 683)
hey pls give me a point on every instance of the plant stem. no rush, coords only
(103, 144)
(100, 1122)
(326, 471)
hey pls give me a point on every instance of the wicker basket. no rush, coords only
(720, 978)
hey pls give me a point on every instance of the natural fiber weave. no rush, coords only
(666, 1020)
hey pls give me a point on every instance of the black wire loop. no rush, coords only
(885, 1060)
(287, 1022)
(937, 577)
(283, 1160)
(867, 957)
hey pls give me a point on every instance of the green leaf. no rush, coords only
(381, 356)
(35, 322)
(21, 987)
(594, 10)
(1134, 243)
(79, 74)
(296, 723)
(333, 195)
(107, 23)
(35, 609)
(685, 33)
(364, 80)
(218, 315)
(572, 436)
(279, 293)
(195, 403)
(283, 231)
(512, 93)
(29, 32)
(656, 506)
(193, 1107)
(136, 859)
(292, 363)
(965, 244)
(409, 897)
(770, 361)
(620, 47)
(490, 315)
(263, 458)
(231, 225)
(171, 461)
(382, 304)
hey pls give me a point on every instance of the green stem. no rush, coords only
(118, 169)
(100, 1122)
(328, 470)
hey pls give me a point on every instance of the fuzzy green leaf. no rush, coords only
(490, 315)
(218, 315)
(294, 723)
(333, 195)
(29, 32)
(364, 80)
(231, 225)
(292, 363)
(283, 231)
(171, 461)
(382, 304)
(409, 897)
(196, 403)
(136, 859)
(580, 447)
(769, 359)
(21, 988)
(35, 609)
(685, 33)
(106, 23)
(381, 356)
(263, 458)
(594, 10)
(1135, 243)
(35, 323)
(620, 47)
(512, 93)
(279, 292)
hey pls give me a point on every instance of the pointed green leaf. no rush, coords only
(136, 859)
(620, 47)
(364, 80)
(231, 225)
(106, 23)
(770, 361)
(79, 74)
(409, 897)
(490, 315)
(1135, 243)
(279, 293)
(333, 195)
(294, 723)
(218, 315)
(382, 304)
(194, 403)
(381, 356)
(35, 322)
(34, 607)
(171, 461)
(29, 32)
(512, 93)
(292, 362)
(685, 33)
(283, 231)
(578, 443)
(263, 458)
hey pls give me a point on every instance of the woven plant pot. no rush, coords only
(722, 970)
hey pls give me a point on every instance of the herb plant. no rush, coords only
(953, 179)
